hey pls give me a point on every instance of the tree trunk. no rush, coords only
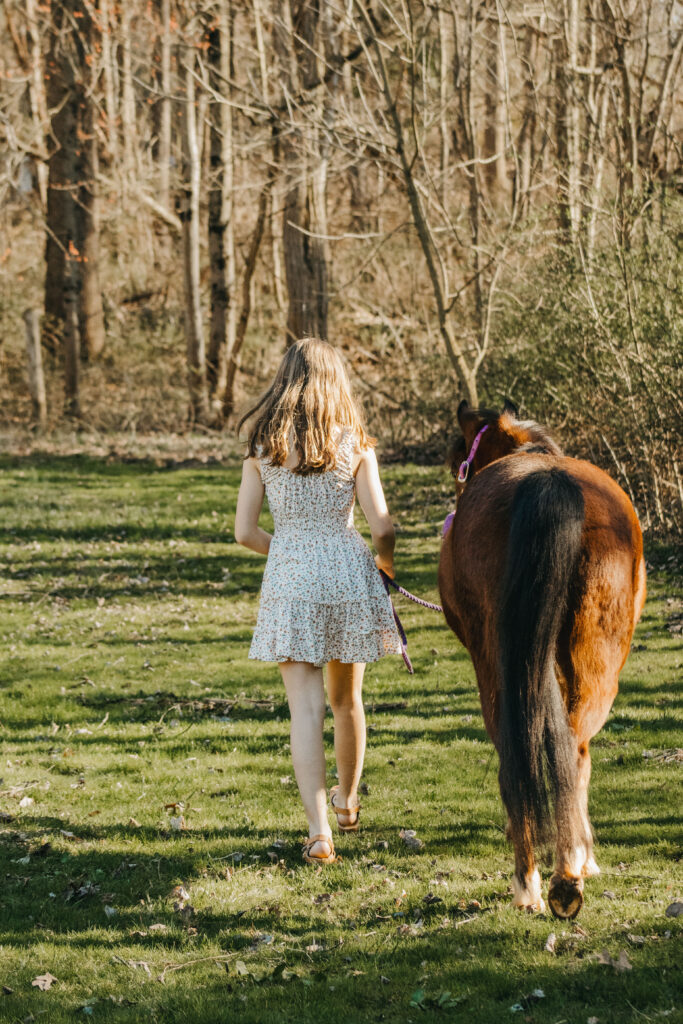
(34, 356)
(91, 313)
(445, 66)
(106, 17)
(62, 239)
(194, 329)
(303, 242)
(527, 133)
(37, 96)
(305, 262)
(567, 122)
(166, 113)
(247, 279)
(128, 120)
(72, 338)
(221, 227)
(494, 143)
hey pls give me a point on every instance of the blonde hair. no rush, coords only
(310, 399)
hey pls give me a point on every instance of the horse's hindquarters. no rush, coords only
(547, 614)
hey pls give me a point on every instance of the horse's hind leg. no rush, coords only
(526, 881)
(565, 894)
(590, 868)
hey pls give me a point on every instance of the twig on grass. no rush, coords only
(202, 959)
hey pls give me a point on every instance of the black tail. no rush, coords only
(538, 759)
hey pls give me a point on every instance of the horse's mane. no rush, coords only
(539, 438)
(523, 435)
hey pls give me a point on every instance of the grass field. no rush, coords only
(150, 825)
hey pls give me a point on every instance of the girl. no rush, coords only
(322, 598)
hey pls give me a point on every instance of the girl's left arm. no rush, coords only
(249, 505)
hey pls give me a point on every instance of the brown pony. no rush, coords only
(542, 578)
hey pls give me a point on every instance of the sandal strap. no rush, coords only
(318, 839)
(342, 810)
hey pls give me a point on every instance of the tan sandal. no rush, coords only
(353, 827)
(310, 858)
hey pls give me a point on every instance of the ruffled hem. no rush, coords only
(349, 631)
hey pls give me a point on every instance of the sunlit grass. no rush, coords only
(128, 707)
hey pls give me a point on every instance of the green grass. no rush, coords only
(126, 617)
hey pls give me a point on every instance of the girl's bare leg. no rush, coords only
(345, 690)
(306, 698)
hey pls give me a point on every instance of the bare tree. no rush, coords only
(221, 189)
(295, 39)
(190, 194)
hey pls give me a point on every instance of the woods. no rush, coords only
(474, 199)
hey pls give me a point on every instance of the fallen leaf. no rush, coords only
(410, 838)
(134, 823)
(636, 940)
(622, 964)
(44, 981)
(26, 801)
(158, 928)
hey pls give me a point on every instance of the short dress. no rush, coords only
(322, 597)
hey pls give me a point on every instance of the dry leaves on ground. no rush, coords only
(44, 981)
(621, 964)
(410, 838)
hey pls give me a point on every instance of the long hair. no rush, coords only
(538, 754)
(309, 402)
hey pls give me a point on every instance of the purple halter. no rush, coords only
(463, 473)
(465, 466)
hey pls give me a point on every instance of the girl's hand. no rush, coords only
(385, 566)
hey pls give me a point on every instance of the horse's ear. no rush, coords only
(462, 408)
(510, 408)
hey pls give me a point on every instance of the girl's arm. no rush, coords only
(371, 500)
(249, 504)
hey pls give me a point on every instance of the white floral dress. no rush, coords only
(322, 597)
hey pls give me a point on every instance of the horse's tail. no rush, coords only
(537, 751)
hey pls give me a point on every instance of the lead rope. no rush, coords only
(388, 582)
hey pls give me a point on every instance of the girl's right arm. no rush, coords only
(249, 505)
(372, 501)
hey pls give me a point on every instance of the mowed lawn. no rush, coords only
(150, 826)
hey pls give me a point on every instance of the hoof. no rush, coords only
(590, 868)
(565, 897)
